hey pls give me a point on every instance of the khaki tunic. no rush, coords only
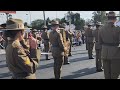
(57, 49)
(19, 61)
(45, 37)
(109, 38)
(98, 48)
(89, 41)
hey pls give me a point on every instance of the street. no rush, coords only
(80, 66)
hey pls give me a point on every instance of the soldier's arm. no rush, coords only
(26, 63)
(60, 41)
(70, 33)
(24, 44)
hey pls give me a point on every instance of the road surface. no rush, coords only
(80, 67)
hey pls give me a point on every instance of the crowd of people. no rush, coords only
(23, 48)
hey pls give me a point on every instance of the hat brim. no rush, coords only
(113, 16)
(16, 29)
(55, 24)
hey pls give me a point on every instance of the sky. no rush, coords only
(29, 16)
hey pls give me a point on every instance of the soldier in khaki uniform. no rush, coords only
(20, 63)
(98, 48)
(45, 37)
(57, 49)
(89, 40)
(109, 38)
(66, 42)
(70, 35)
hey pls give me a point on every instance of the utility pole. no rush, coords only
(69, 19)
(7, 16)
(30, 16)
(56, 15)
(119, 15)
(44, 18)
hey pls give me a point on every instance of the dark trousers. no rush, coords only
(90, 49)
(58, 62)
(111, 69)
(98, 59)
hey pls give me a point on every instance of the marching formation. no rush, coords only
(24, 50)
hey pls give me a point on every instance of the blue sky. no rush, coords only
(39, 15)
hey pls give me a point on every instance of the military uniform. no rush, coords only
(98, 48)
(57, 50)
(89, 41)
(20, 62)
(70, 35)
(45, 37)
(109, 38)
(66, 42)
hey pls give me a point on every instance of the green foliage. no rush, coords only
(37, 24)
(99, 16)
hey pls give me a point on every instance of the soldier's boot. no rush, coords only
(47, 57)
(66, 61)
(57, 72)
(90, 54)
(98, 61)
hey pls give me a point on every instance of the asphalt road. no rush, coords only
(80, 66)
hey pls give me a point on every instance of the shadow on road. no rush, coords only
(80, 59)
(45, 66)
(2, 61)
(2, 75)
(2, 66)
(79, 73)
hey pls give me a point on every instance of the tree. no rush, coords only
(77, 21)
(99, 16)
(82, 23)
(37, 24)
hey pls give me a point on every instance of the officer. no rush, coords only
(45, 37)
(66, 41)
(98, 48)
(89, 40)
(20, 63)
(109, 38)
(57, 49)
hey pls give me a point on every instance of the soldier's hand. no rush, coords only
(65, 49)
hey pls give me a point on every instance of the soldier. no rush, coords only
(45, 37)
(98, 48)
(66, 42)
(89, 40)
(109, 38)
(20, 63)
(70, 35)
(57, 49)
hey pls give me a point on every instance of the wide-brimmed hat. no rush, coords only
(34, 30)
(44, 27)
(99, 23)
(89, 24)
(15, 24)
(111, 14)
(54, 22)
(63, 25)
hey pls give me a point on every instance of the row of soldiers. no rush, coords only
(107, 40)
(23, 64)
(22, 58)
